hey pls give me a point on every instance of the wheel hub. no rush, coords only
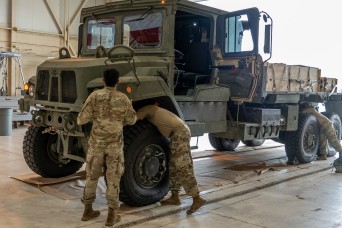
(151, 166)
(310, 140)
(52, 149)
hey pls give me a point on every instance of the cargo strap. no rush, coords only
(274, 87)
(296, 80)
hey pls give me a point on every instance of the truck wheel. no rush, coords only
(41, 155)
(255, 142)
(145, 180)
(223, 144)
(282, 137)
(335, 119)
(303, 143)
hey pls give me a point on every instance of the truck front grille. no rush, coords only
(69, 88)
(58, 87)
(43, 85)
(54, 89)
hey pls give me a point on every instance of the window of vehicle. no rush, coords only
(100, 32)
(238, 37)
(143, 31)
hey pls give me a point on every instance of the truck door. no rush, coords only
(236, 58)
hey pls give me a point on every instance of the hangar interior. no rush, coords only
(36, 29)
(246, 188)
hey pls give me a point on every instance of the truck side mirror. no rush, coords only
(267, 43)
(80, 40)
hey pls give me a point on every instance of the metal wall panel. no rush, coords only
(33, 15)
(4, 13)
(37, 29)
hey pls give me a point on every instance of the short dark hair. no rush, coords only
(110, 77)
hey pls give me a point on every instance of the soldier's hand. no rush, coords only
(139, 116)
(307, 110)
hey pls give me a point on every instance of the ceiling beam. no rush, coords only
(59, 27)
(80, 7)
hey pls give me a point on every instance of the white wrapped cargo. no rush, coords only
(277, 77)
(292, 78)
(327, 84)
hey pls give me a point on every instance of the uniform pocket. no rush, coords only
(89, 161)
(120, 169)
(182, 160)
(121, 165)
(94, 166)
(89, 158)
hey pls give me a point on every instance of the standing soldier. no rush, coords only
(109, 110)
(327, 133)
(181, 170)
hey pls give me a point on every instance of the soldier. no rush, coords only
(181, 172)
(109, 110)
(327, 133)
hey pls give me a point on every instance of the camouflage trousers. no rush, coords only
(328, 134)
(98, 157)
(181, 170)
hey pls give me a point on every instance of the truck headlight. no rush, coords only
(31, 91)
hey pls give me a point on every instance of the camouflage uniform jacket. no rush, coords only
(164, 120)
(109, 110)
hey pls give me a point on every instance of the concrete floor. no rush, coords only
(312, 201)
(292, 196)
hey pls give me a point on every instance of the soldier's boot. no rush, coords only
(196, 204)
(173, 200)
(322, 157)
(89, 213)
(112, 217)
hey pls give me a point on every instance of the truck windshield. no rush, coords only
(143, 32)
(100, 32)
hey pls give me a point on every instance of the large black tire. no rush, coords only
(145, 180)
(40, 154)
(223, 144)
(255, 142)
(282, 137)
(335, 119)
(303, 143)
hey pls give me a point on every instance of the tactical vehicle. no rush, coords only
(206, 65)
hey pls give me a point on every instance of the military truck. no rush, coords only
(208, 66)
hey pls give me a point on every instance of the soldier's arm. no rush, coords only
(143, 112)
(130, 116)
(312, 111)
(86, 114)
(308, 111)
(140, 115)
(318, 115)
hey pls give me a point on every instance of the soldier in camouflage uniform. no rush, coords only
(181, 170)
(109, 110)
(327, 133)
